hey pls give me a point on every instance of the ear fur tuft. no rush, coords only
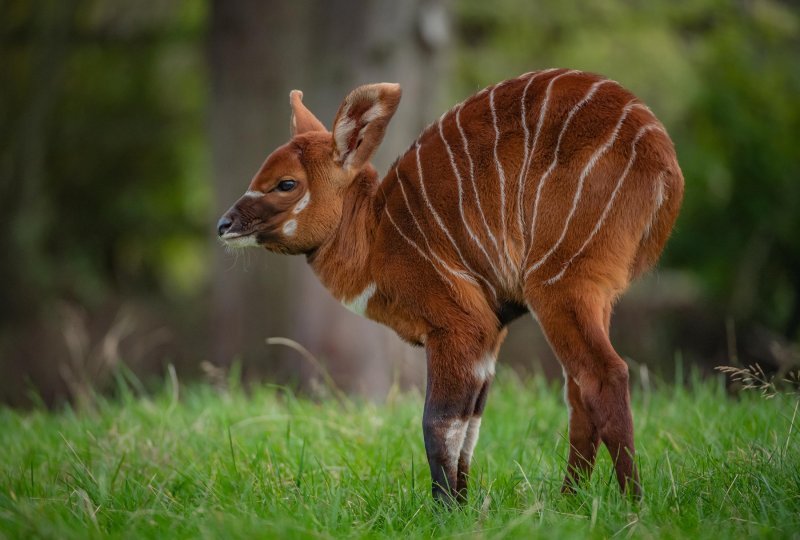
(361, 122)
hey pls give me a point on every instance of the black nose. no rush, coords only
(223, 225)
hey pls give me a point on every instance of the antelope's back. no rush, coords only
(552, 175)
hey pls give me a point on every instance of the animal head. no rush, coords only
(294, 201)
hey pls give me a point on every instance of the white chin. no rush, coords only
(239, 241)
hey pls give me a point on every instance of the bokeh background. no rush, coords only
(128, 126)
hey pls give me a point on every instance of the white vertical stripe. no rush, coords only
(501, 174)
(610, 202)
(459, 182)
(457, 273)
(415, 246)
(438, 218)
(524, 121)
(474, 185)
(539, 123)
(579, 190)
(554, 163)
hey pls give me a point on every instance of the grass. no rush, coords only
(267, 464)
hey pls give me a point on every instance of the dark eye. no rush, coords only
(286, 185)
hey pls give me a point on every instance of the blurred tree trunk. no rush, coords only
(259, 51)
(254, 45)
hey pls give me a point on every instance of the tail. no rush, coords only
(669, 195)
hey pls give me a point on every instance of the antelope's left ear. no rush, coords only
(361, 123)
(302, 119)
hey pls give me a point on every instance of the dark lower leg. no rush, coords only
(470, 440)
(576, 329)
(606, 397)
(583, 439)
(446, 423)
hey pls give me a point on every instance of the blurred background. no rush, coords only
(128, 126)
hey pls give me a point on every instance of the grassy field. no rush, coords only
(232, 464)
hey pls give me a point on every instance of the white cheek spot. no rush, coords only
(358, 305)
(289, 227)
(484, 368)
(253, 194)
(301, 205)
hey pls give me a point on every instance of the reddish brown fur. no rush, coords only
(443, 267)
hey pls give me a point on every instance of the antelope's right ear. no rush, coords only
(302, 119)
(361, 123)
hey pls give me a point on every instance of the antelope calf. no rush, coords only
(546, 194)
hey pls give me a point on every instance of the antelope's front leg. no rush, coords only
(458, 382)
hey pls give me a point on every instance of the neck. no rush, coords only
(341, 262)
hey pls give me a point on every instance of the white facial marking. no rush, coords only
(238, 241)
(289, 227)
(301, 205)
(253, 194)
(484, 368)
(358, 305)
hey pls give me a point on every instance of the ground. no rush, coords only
(189, 462)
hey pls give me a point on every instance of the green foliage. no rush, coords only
(724, 77)
(102, 149)
(267, 464)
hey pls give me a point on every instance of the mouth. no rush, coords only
(239, 240)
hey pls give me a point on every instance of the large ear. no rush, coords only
(302, 119)
(361, 122)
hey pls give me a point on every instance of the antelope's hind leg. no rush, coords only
(575, 322)
(583, 438)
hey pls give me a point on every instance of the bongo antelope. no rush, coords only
(548, 194)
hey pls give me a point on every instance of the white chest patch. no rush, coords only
(358, 305)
